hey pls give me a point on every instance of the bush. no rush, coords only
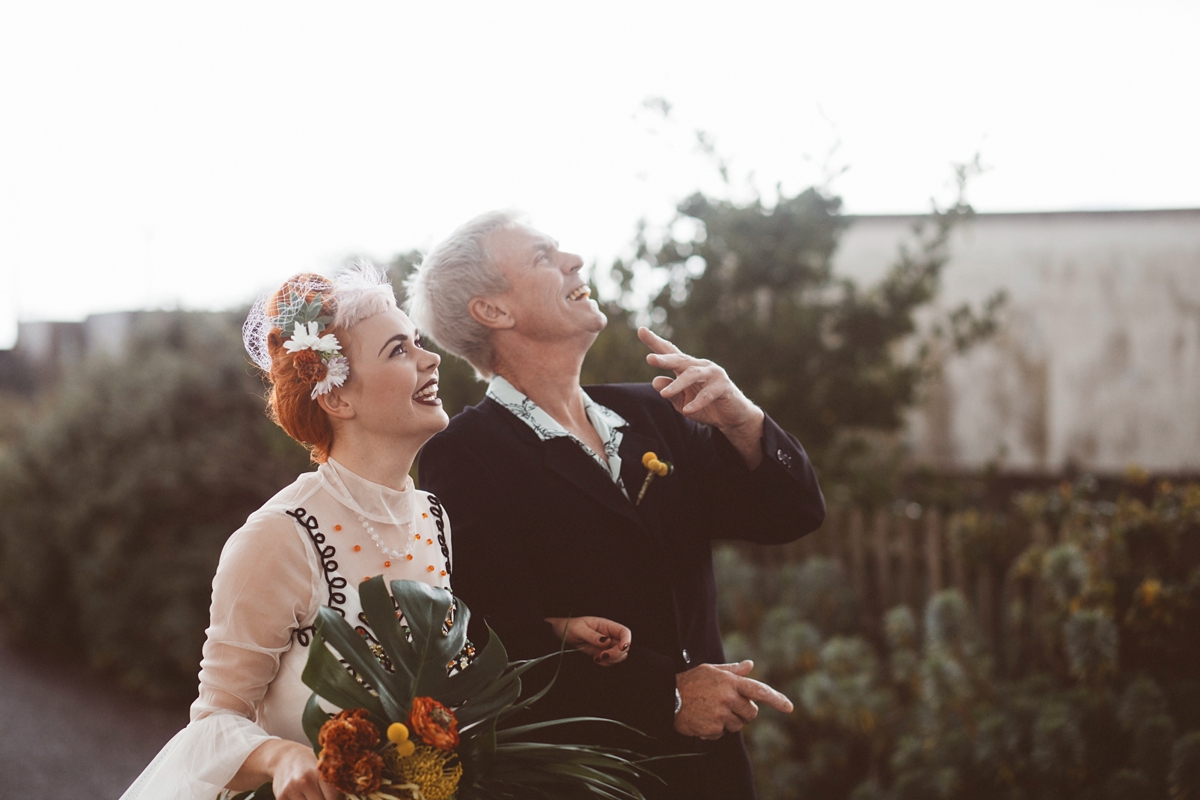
(914, 705)
(116, 498)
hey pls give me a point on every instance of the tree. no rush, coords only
(754, 289)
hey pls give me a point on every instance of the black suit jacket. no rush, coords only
(540, 530)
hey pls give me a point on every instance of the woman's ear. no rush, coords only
(490, 313)
(335, 405)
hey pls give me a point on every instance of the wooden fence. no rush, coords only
(906, 558)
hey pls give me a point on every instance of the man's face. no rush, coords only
(549, 300)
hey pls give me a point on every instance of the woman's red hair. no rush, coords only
(290, 403)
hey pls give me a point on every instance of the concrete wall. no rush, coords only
(1097, 363)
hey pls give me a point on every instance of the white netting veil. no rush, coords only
(358, 290)
(277, 311)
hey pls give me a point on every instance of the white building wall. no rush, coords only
(1097, 363)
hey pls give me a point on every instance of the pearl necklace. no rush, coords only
(388, 553)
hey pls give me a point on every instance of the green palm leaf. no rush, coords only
(326, 676)
(392, 689)
(497, 764)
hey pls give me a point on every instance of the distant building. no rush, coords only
(1097, 364)
(45, 351)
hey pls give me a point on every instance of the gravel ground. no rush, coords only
(67, 734)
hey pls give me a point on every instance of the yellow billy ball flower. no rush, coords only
(646, 459)
(397, 732)
(406, 748)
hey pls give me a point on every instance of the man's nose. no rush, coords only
(571, 263)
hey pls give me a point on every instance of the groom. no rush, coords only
(543, 481)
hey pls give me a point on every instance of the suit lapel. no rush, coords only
(565, 457)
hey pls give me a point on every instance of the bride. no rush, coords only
(352, 382)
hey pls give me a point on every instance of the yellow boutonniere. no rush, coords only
(662, 468)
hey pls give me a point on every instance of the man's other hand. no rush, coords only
(720, 698)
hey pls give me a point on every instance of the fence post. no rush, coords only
(908, 557)
(987, 604)
(958, 564)
(882, 561)
(858, 568)
(1043, 647)
(933, 554)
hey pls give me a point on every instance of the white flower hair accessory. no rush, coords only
(316, 356)
(307, 305)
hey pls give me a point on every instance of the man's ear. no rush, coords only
(490, 313)
(335, 405)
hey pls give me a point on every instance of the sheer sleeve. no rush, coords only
(262, 592)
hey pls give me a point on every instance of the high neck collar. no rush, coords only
(373, 501)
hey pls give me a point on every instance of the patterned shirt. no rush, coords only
(607, 423)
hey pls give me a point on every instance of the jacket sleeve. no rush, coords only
(495, 573)
(777, 502)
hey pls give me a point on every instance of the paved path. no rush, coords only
(68, 735)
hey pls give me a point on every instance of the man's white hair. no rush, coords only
(458, 270)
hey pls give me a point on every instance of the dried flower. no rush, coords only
(309, 366)
(348, 760)
(363, 775)
(1149, 591)
(349, 730)
(434, 723)
(654, 467)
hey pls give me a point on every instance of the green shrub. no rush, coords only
(116, 498)
(914, 705)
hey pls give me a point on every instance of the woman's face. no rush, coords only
(393, 379)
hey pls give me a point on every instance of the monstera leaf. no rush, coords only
(422, 630)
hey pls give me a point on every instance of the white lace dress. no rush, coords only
(309, 546)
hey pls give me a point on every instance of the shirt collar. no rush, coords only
(544, 425)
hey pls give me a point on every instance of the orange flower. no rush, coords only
(1149, 591)
(349, 731)
(434, 723)
(309, 366)
(348, 760)
(361, 776)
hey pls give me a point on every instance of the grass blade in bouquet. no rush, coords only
(421, 710)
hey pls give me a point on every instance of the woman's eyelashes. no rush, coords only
(401, 348)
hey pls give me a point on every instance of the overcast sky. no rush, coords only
(174, 154)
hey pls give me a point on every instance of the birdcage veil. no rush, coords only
(277, 311)
(357, 291)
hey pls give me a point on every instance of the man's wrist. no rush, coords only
(747, 437)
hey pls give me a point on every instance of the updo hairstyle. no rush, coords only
(358, 291)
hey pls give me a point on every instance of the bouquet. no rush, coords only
(421, 721)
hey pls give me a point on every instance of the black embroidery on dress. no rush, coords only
(435, 508)
(333, 581)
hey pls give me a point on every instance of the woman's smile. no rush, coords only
(427, 395)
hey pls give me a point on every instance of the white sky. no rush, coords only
(192, 154)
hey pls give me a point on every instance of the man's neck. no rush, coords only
(550, 378)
